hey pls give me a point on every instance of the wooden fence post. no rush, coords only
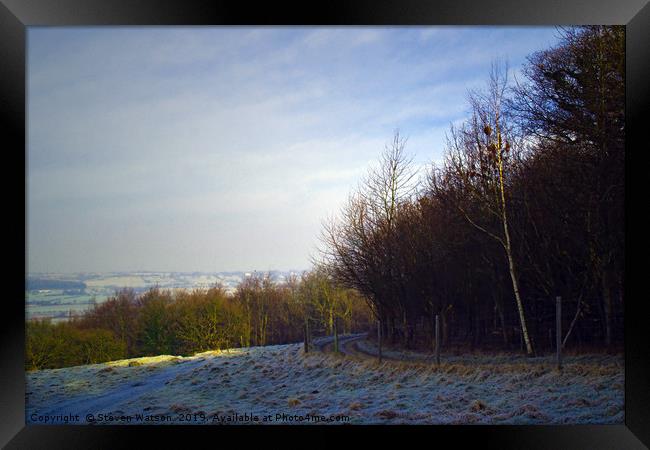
(437, 339)
(379, 338)
(306, 335)
(433, 333)
(336, 336)
(558, 331)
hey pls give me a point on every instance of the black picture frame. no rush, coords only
(16, 15)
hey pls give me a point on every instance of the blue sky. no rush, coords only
(224, 148)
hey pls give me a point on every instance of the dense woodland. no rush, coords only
(527, 205)
(184, 322)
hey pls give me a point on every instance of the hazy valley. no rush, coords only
(57, 296)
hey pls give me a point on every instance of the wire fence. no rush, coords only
(584, 326)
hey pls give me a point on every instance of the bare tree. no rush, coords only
(478, 156)
(361, 247)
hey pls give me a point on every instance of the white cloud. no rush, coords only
(224, 148)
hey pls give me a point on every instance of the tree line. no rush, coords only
(526, 205)
(185, 322)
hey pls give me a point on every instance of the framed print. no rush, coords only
(394, 217)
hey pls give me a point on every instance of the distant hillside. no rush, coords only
(35, 284)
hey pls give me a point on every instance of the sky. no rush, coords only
(225, 148)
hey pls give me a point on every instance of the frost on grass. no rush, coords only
(473, 389)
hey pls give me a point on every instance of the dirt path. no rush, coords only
(349, 345)
(346, 344)
(110, 400)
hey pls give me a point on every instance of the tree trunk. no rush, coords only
(607, 306)
(502, 320)
(433, 332)
(477, 327)
(508, 248)
(445, 333)
(520, 306)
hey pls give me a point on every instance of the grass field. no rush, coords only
(283, 382)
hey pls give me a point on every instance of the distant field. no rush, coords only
(59, 307)
(55, 303)
(127, 282)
